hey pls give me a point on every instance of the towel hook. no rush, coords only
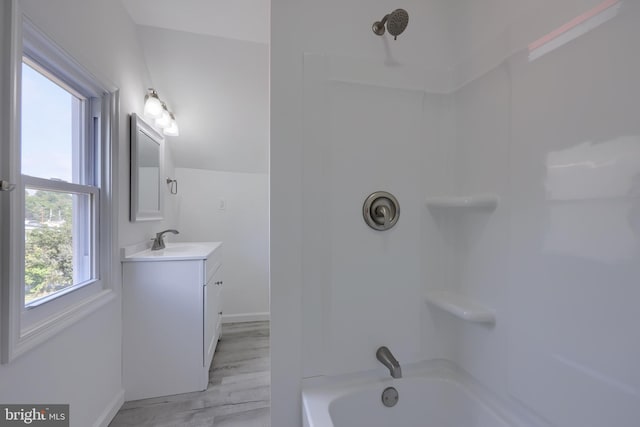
(173, 185)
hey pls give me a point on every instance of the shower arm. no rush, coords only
(378, 27)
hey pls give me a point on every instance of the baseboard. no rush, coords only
(245, 317)
(111, 410)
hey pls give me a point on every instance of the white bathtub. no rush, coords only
(432, 394)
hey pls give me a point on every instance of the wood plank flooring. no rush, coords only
(238, 392)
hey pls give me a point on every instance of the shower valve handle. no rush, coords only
(383, 215)
(381, 210)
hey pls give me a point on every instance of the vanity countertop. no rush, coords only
(179, 251)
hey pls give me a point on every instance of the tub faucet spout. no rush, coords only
(386, 358)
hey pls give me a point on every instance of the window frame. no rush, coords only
(24, 328)
(86, 171)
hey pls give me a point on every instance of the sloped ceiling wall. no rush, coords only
(218, 89)
(209, 60)
(246, 20)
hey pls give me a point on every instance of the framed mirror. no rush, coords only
(147, 162)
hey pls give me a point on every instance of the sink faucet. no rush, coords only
(386, 358)
(158, 242)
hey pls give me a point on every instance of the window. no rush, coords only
(61, 230)
(61, 195)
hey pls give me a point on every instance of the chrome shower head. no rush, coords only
(396, 23)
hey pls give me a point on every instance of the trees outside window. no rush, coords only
(48, 243)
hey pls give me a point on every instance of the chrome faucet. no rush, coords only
(383, 354)
(158, 242)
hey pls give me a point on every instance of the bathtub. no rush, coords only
(431, 394)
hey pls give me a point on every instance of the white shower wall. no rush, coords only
(558, 139)
(455, 106)
(348, 114)
(363, 288)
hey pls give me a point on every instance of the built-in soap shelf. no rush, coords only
(478, 201)
(461, 307)
(454, 303)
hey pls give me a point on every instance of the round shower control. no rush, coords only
(381, 210)
(389, 397)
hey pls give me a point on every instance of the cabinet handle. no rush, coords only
(220, 312)
(219, 283)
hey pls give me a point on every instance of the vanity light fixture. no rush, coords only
(156, 109)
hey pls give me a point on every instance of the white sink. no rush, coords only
(174, 252)
(179, 248)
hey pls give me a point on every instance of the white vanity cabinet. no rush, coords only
(172, 312)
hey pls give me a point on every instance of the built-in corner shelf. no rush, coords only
(461, 307)
(478, 201)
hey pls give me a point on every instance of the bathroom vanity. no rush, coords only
(172, 313)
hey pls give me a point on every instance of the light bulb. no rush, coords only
(152, 104)
(172, 129)
(165, 119)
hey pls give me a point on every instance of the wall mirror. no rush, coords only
(147, 162)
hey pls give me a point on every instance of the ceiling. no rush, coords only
(246, 20)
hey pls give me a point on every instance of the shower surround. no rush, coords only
(534, 103)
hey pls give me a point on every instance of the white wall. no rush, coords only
(352, 113)
(556, 138)
(243, 226)
(82, 365)
(285, 189)
(363, 288)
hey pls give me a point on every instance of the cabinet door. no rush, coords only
(211, 315)
(162, 328)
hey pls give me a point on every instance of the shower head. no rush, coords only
(396, 23)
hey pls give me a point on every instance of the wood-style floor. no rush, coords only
(238, 392)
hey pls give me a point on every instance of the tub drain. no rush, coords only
(389, 397)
